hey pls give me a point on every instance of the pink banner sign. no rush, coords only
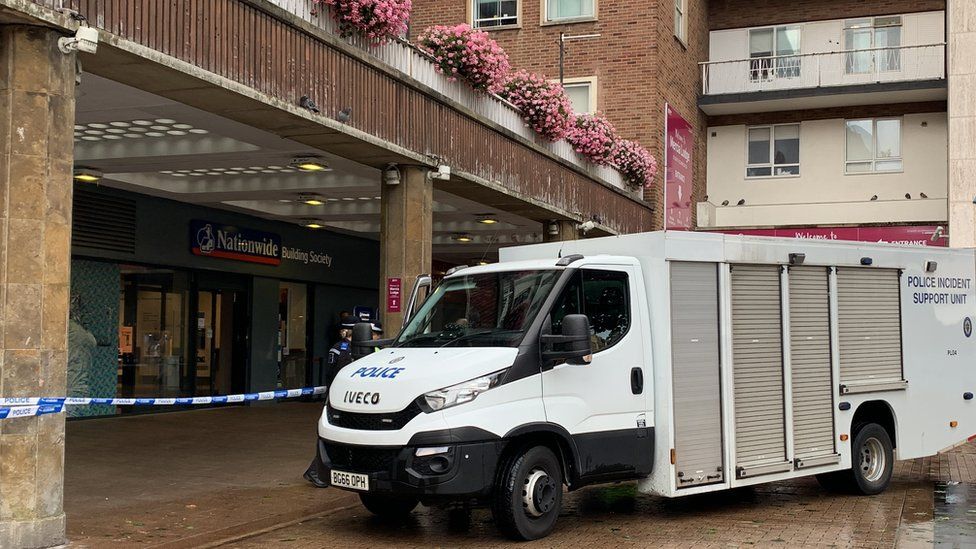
(393, 295)
(679, 143)
(910, 235)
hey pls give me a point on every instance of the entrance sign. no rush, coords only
(237, 243)
(393, 294)
(909, 235)
(678, 143)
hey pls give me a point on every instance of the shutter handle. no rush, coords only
(967, 396)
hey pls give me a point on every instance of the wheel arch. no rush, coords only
(876, 411)
(553, 436)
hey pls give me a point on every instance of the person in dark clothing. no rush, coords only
(340, 355)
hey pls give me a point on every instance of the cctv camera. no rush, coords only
(586, 226)
(391, 176)
(85, 40)
(443, 173)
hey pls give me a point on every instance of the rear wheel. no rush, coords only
(872, 463)
(388, 506)
(529, 494)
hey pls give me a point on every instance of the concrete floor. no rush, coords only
(232, 477)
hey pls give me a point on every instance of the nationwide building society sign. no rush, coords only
(209, 239)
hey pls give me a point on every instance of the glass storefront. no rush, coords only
(293, 313)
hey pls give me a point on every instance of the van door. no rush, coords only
(603, 404)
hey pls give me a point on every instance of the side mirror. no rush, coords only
(423, 281)
(573, 345)
(362, 339)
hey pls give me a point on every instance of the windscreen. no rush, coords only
(479, 310)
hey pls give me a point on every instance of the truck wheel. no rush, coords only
(529, 494)
(388, 506)
(872, 463)
(873, 460)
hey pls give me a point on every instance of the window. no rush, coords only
(773, 151)
(874, 145)
(581, 93)
(774, 53)
(494, 13)
(570, 9)
(680, 20)
(880, 37)
(603, 296)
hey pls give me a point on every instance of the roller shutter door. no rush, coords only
(812, 387)
(695, 374)
(869, 325)
(757, 369)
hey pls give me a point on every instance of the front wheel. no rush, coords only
(529, 494)
(388, 506)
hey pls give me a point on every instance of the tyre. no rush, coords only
(390, 507)
(529, 494)
(872, 463)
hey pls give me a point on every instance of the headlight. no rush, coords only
(462, 392)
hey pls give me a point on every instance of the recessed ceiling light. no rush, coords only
(197, 131)
(142, 122)
(313, 225)
(98, 126)
(79, 127)
(487, 220)
(155, 134)
(176, 132)
(182, 126)
(165, 121)
(308, 164)
(462, 238)
(348, 198)
(365, 198)
(91, 138)
(114, 130)
(120, 124)
(87, 175)
(112, 137)
(313, 202)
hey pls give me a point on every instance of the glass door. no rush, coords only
(220, 340)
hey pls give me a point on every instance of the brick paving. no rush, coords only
(795, 513)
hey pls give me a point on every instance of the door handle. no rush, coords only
(636, 380)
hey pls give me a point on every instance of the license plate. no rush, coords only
(355, 481)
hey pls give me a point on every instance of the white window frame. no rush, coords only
(546, 20)
(473, 18)
(772, 165)
(874, 145)
(776, 65)
(589, 81)
(892, 64)
(681, 21)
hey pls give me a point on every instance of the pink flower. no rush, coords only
(593, 136)
(543, 104)
(377, 20)
(468, 53)
(635, 163)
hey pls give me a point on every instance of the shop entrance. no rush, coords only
(220, 342)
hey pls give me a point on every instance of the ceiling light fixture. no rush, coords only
(311, 199)
(87, 175)
(487, 219)
(312, 224)
(308, 164)
(462, 238)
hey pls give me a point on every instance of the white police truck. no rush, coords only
(689, 362)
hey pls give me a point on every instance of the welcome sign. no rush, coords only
(210, 239)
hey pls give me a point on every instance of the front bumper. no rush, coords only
(398, 471)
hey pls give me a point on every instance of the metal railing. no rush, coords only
(410, 60)
(816, 70)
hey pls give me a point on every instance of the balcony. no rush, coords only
(825, 79)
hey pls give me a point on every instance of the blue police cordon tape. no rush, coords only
(37, 406)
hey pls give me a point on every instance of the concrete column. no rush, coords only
(559, 230)
(962, 122)
(37, 113)
(406, 232)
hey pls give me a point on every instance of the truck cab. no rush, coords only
(531, 373)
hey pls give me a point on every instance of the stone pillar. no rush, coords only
(37, 113)
(962, 122)
(406, 233)
(559, 230)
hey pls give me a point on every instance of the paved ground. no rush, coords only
(198, 460)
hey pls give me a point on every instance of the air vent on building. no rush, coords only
(103, 222)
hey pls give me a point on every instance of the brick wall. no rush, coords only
(732, 14)
(856, 111)
(637, 61)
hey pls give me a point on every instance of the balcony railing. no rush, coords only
(411, 61)
(827, 69)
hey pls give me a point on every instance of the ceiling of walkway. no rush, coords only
(151, 145)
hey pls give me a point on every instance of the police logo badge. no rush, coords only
(967, 326)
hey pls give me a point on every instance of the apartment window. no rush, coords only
(570, 9)
(680, 20)
(581, 93)
(874, 145)
(773, 151)
(872, 44)
(773, 53)
(495, 13)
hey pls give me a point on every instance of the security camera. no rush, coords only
(85, 40)
(586, 226)
(391, 175)
(443, 173)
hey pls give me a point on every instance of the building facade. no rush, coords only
(626, 60)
